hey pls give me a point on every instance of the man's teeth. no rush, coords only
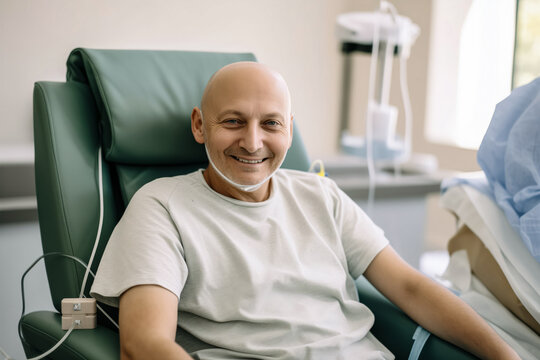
(249, 161)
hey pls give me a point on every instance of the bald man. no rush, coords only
(244, 260)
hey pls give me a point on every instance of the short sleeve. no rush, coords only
(362, 240)
(145, 248)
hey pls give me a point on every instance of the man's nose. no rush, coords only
(252, 139)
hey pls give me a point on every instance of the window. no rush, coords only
(527, 53)
(470, 68)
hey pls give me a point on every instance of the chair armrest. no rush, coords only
(395, 329)
(43, 329)
(392, 327)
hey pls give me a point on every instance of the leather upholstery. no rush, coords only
(44, 328)
(147, 96)
(66, 144)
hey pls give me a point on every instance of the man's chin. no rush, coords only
(248, 180)
(246, 175)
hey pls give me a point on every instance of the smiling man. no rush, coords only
(247, 129)
(244, 260)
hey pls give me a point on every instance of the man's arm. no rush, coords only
(434, 307)
(148, 316)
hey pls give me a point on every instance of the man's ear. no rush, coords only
(197, 125)
(291, 132)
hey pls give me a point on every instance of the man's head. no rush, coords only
(245, 122)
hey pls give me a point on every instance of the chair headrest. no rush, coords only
(145, 99)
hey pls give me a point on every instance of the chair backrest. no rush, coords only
(136, 105)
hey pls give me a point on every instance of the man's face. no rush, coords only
(247, 126)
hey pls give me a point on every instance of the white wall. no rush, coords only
(296, 37)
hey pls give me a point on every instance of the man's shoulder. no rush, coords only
(299, 175)
(163, 186)
(304, 179)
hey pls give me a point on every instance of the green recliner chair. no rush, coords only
(136, 105)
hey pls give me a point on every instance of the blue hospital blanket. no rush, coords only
(510, 158)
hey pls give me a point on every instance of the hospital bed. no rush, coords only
(492, 270)
(495, 253)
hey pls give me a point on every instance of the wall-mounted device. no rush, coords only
(383, 34)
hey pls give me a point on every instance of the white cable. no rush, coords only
(98, 235)
(404, 92)
(5, 355)
(403, 55)
(406, 104)
(23, 297)
(389, 8)
(369, 119)
(87, 266)
(386, 5)
(57, 344)
(107, 316)
(387, 71)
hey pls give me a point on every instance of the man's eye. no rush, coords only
(232, 121)
(271, 123)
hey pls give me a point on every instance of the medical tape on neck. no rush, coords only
(241, 187)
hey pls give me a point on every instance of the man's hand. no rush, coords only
(148, 316)
(434, 307)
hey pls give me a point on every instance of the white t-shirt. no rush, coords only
(264, 280)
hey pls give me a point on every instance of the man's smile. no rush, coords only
(248, 161)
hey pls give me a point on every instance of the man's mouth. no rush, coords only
(246, 161)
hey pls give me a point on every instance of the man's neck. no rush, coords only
(218, 185)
